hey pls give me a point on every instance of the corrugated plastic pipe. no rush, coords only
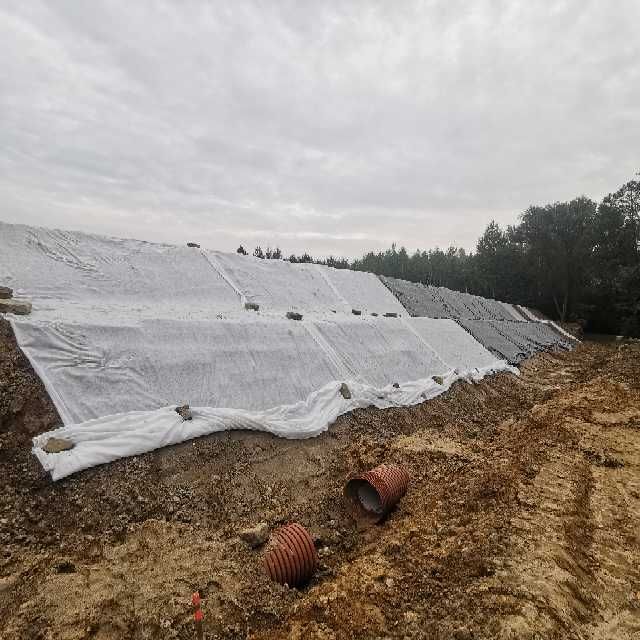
(374, 493)
(291, 558)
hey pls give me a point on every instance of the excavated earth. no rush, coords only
(521, 520)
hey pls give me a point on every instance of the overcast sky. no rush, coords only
(333, 127)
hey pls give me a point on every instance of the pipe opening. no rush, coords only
(363, 494)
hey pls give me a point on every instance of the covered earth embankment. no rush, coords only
(123, 332)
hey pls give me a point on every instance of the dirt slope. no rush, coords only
(521, 519)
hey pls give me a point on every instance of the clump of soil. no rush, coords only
(514, 524)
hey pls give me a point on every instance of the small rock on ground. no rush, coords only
(8, 582)
(66, 566)
(345, 391)
(6, 292)
(255, 536)
(56, 445)
(184, 412)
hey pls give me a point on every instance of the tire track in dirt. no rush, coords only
(579, 578)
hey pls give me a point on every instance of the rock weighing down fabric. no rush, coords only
(123, 331)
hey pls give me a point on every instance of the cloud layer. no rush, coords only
(327, 127)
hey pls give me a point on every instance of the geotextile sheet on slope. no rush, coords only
(439, 302)
(122, 331)
(363, 291)
(236, 376)
(278, 286)
(117, 436)
(454, 345)
(381, 351)
(544, 334)
(95, 370)
(418, 299)
(71, 276)
(76, 276)
(513, 312)
(515, 341)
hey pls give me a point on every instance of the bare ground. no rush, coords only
(521, 519)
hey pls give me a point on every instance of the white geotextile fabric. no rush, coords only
(279, 286)
(122, 331)
(95, 370)
(266, 374)
(380, 351)
(361, 291)
(113, 437)
(77, 277)
(454, 345)
(73, 276)
(254, 364)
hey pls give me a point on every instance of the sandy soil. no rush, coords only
(521, 519)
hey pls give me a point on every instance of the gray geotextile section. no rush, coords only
(439, 302)
(419, 300)
(515, 341)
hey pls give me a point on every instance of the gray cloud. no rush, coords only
(328, 127)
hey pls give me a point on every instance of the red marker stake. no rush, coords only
(197, 615)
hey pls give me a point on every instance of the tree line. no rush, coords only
(576, 260)
(276, 254)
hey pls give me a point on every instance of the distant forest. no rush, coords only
(577, 260)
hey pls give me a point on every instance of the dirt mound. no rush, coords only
(25, 407)
(519, 519)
